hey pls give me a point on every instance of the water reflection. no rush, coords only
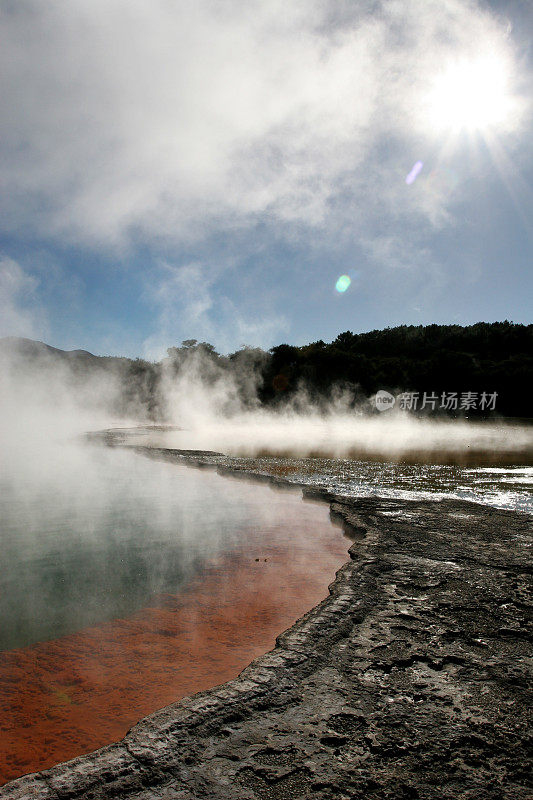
(146, 603)
(498, 478)
(100, 544)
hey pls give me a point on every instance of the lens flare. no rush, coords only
(343, 283)
(415, 172)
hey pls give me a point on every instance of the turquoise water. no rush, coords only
(100, 531)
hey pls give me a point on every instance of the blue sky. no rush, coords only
(208, 170)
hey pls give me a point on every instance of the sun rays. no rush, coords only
(472, 95)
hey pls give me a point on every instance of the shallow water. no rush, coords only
(144, 583)
(507, 488)
(414, 476)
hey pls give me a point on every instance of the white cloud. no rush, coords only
(128, 119)
(20, 311)
(187, 302)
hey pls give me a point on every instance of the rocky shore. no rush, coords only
(412, 679)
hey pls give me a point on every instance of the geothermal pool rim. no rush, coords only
(391, 685)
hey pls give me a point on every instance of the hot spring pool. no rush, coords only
(128, 583)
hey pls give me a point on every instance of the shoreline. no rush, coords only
(408, 680)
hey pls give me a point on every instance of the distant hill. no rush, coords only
(127, 387)
(30, 349)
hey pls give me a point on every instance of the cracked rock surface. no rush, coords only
(410, 680)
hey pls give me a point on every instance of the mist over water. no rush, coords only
(219, 410)
(353, 451)
(90, 533)
(122, 575)
(127, 583)
(105, 535)
(351, 434)
(152, 583)
(49, 474)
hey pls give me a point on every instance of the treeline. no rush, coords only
(491, 358)
(476, 370)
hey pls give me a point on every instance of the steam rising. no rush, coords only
(346, 434)
(214, 405)
(218, 410)
(95, 515)
(90, 533)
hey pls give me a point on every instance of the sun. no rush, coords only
(471, 95)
